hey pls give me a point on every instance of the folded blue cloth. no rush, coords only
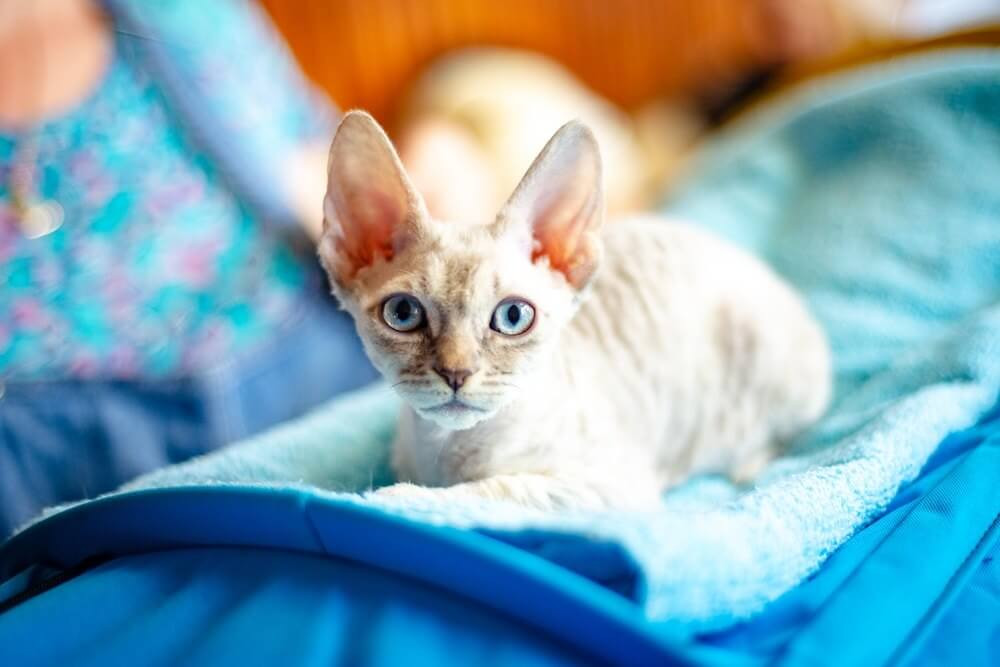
(876, 193)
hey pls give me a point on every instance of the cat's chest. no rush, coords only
(500, 446)
(513, 441)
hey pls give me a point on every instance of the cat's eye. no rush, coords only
(513, 317)
(403, 313)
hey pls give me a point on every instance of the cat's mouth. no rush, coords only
(454, 406)
(455, 414)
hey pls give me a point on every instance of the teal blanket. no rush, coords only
(878, 194)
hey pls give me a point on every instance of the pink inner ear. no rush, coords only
(562, 239)
(558, 248)
(573, 256)
(373, 231)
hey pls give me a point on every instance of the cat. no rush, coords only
(547, 361)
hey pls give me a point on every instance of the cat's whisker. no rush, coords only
(413, 377)
(500, 384)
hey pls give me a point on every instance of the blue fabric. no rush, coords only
(221, 607)
(954, 640)
(493, 579)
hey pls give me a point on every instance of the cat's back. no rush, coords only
(663, 291)
(694, 338)
(669, 289)
(668, 248)
(659, 277)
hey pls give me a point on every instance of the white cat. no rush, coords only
(549, 362)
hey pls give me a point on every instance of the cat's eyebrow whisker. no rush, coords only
(499, 383)
(412, 383)
(489, 395)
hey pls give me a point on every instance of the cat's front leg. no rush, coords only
(538, 491)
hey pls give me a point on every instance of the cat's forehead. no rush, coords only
(456, 264)
(467, 263)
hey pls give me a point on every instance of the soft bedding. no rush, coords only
(876, 193)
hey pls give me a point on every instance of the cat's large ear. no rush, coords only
(560, 203)
(371, 209)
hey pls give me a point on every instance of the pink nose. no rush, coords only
(455, 377)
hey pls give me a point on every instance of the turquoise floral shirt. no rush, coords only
(158, 269)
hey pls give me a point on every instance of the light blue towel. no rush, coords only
(877, 193)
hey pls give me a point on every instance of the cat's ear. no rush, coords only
(560, 203)
(371, 210)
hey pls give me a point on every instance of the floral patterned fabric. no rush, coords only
(158, 269)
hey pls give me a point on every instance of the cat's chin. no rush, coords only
(455, 416)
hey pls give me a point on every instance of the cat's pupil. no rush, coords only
(512, 318)
(403, 310)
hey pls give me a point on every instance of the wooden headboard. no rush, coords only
(365, 52)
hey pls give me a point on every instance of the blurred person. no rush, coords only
(158, 165)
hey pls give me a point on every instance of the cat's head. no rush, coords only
(459, 317)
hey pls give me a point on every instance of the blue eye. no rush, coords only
(513, 317)
(403, 312)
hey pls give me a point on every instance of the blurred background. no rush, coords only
(162, 168)
(366, 54)
(651, 76)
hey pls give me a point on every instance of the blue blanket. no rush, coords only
(874, 192)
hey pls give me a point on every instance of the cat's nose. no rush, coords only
(455, 377)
